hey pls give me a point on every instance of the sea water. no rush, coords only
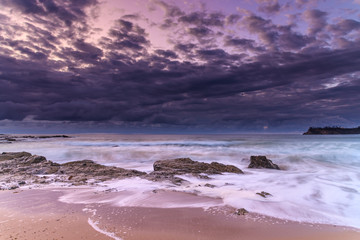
(319, 183)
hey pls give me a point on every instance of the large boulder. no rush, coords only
(186, 165)
(262, 162)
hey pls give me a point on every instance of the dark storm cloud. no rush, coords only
(264, 27)
(200, 32)
(143, 94)
(166, 53)
(246, 44)
(232, 19)
(170, 10)
(274, 36)
(273, 76)
(201, 18)
(185, 47)
(69, 12)
(270, 7)
(344, 27)
(317, 20)
(126, 35)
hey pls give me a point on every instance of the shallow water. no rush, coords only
(320, 183)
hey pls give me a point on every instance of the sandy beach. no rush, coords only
(38, 214)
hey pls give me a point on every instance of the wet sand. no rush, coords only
(38, 214)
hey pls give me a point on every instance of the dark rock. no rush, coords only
(10, 139)
(262, 162)
(35, 159)
(54, 136)
(241, 211)
(209, 185)
(45, 136)
(13, 187)
(186, 165)
(264, 194)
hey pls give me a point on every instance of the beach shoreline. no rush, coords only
(38, 213)
(71, 197)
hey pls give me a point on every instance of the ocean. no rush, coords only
(319, 183)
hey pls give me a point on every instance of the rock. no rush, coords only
(13, 187)
(186, 165)
(10, 139)
(12, 155)
(166, 169)
(24, 168)
(209, 185)
(262, 162)
(85, 169)
(241, 211)
(264, 194)
(54, 136)
(35, 159)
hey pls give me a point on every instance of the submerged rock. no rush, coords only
(186, 165)
(262, 162)
(264, 194)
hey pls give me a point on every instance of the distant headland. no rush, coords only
(331, 130)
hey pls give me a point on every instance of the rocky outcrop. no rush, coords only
(262, 162)
(25, 167)
(166, 169)
(24, 163)
(186, 165)
(332, 131)
(88, 169)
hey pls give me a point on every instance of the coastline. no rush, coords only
(27, 213)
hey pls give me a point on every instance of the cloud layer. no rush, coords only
(276, 65)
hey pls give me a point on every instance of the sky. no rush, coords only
(163, 66)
